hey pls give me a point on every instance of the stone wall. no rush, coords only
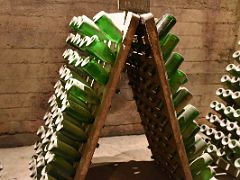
(33, 36)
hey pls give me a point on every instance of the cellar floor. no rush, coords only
(117, 158)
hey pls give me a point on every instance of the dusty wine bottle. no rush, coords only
(88, 64)
(190, 131)
(77, 41)
(181, 99)
(66, 139)
(54, 173)
(99, 49)
(85, 26)
(70, 130)
(167, 45)
(177, 79)
(164, 25)
(205, 174)
(60, 163)
(105, 23)
(81, 91)
(64, 150)
(196, 150)
(186, 116)
(200, 163)
(46, 176)
(98, 73)
(233, 70)
(173, 63)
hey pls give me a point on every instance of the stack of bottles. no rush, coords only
(224, 136)
(186, 113)
(77, 95)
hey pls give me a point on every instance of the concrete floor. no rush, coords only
(127, 149)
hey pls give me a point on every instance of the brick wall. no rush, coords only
(33, 33)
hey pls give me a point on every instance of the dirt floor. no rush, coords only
(114, 155)
(117, 158)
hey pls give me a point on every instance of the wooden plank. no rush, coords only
(94, 133)
(167, 100)
(137, 6)
(146, 71)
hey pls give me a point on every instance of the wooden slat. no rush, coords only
(167, 100)
(145, 68)
(89, 147)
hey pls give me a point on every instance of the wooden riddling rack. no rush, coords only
(160, 122)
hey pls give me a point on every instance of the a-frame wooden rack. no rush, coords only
(155, 107)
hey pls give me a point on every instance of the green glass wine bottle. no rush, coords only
(200, 163)
(75, 99)
(99, 49)
(164, 25)
(205, 174)
(72, 57)
(190, 131)
(186, 116)
(167, 45)
(237, 163)
(85, 26)
(234, 145)
(70, 130)
(59, 162)
(196, 150)
(83, 114)
(236, 98)
(181, 99)
(98, 73)
(81, 91)
(66, 139)
(88, 64)
(64, 150)
(190, 142)
(71, 72)
(173, 63)
(42, 131)
(46, 176)
(54, 172)
(176, 80)
(105, 23)
(77, 41)
(233, 70)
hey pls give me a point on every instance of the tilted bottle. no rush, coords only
(181, 99)
(236, 98)
(200, 163)
(164, 25)
(86, 26)
(81, 91)
(105, 23)
(236, 56)
(173, 63)
(66, 139)
(177, 79)
(196, 150)
(167, 45)
(98, 73)
(205, 174)
(190, 131)
(60, 163)
(233, 70)
(99, 49)
(88, 64)
(70, 130)
(64, 150)
(186, 116)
